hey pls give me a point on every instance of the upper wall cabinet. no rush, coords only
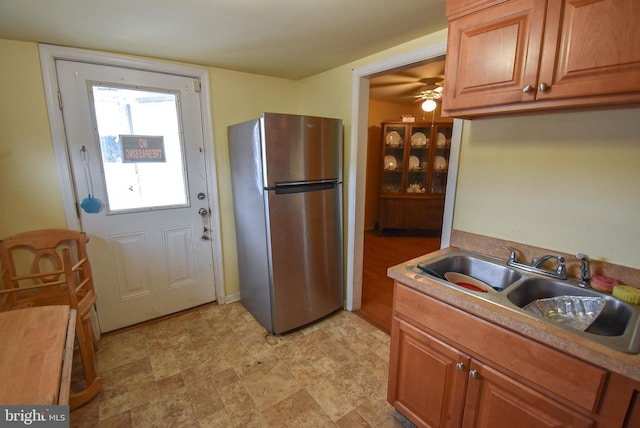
(521, 55)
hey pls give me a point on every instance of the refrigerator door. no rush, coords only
(305, 235)
(250, 218)
(300, 149)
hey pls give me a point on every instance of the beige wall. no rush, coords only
(237, 97)
(566, 181)
(29, 193)
(29, 189)
(519, 178)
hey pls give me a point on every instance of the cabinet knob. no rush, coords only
(459, 367)
(527, 89)
(473, 374)
(543, 87)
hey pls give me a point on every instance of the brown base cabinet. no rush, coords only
(494, 399)
(449, 368)
(426, 386)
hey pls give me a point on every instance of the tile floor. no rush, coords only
(217, 367)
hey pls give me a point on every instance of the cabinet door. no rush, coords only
(495, 400)
(591, 47)
(427, 378)
(493, 54)
(440, 162)
(393, 162)
(418, 161)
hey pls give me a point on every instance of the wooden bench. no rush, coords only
(36, 355)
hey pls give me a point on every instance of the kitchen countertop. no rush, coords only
(528, 326)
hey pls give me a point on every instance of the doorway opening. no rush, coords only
(358, 188)
(401, 224)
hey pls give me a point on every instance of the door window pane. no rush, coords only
(151, 175)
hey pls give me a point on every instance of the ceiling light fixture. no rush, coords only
(429, 105)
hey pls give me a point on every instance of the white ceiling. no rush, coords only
(291, 39)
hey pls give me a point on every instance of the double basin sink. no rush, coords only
(617, 326)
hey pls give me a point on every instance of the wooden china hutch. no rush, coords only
(414, 167)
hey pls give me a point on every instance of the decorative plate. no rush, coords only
(414, 162)
(390, 163)
(393, 139)
(418, 140)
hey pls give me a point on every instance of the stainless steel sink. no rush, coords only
(613, 320)
(617, 326)
(490, 272)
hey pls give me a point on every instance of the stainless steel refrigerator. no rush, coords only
(286, 173)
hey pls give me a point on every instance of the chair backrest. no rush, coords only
(44, 267)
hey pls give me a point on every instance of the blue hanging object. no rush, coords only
(89, 204)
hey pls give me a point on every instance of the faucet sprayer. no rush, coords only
(585, 269)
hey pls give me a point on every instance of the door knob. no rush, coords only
(473, 374)
(527, 89)
(543, 87)
(203, 212)
(459, 366)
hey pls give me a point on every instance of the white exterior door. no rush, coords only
(135, 145)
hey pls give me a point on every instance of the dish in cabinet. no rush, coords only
(390, 163)
(414, 162)
(393, 139)
(439, 163)
(419, 140)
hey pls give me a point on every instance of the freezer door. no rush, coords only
(305, 235)
(300, 148)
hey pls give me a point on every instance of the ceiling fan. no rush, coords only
(410, 84)
(431, 93)
(433, 89)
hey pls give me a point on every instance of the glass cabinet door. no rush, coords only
(418, 161)
(440, 166)
(393, 158)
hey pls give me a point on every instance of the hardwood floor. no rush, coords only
(380, 253)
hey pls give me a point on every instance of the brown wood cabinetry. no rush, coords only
(520, 55)
(415, 161)
(449, 368)
(426, 386)
(496, 400)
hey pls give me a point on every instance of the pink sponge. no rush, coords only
(603, 283)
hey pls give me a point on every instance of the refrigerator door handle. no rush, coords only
(307, 187)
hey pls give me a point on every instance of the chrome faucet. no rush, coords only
(536, 264)
(585, 269)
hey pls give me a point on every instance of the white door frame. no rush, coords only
(48, 56)
(358, 173)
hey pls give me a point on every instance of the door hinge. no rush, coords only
(196, 86)
(59, 100)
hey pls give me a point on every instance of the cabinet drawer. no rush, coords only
(576, 381)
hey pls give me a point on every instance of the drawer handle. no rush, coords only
(473, 374)
(459, 367)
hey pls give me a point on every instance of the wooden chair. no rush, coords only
(51, 267)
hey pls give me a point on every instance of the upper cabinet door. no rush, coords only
(524, 55)
(591, 47)
(493, 55)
